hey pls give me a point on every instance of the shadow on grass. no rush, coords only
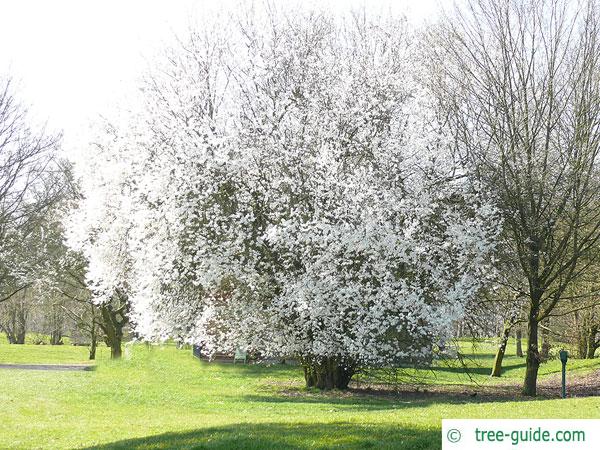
(484, 370)
(259, 370)
(377, 400)
(289, 436)
(256, 370)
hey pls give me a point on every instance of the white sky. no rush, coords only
(75, 59)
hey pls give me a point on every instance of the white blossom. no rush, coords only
(288, 188)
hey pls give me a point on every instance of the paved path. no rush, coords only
(47, 366)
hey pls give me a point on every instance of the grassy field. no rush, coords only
(161, 398)
(48, 354)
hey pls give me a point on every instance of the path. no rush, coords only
(47, 366)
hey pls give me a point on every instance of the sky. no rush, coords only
(73, 60)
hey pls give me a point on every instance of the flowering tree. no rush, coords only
(290, 191)
(99, 232)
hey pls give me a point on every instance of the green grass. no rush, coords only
(47, 354)
(161, 398)
(36, 338)
(478, 356)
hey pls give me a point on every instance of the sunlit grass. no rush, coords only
(161, 397)
(47, 354)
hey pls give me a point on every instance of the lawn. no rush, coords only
(47, 354)
(162, 398)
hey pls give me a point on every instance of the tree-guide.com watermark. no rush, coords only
(522, 434)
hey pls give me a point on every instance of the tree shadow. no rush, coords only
(289, 436)
(347, 401)
(255, 369)
(356, 399)
(483, 370)
(258, 370)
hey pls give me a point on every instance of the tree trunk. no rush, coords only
(518, 337)
(591, 342)
(545, 352)
(55, 320)
(579, 335)
(16, 327)
(112, 325)
(497, 368)
(329, 373)
(20, 336)
(533, 356)
(115, 349)
(56, 337)
(582, 344)
(93, 345)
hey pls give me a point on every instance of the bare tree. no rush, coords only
(581, 319)
(27, 163)
(15, 316)
(587, 328)
(80, 308)
(519, 81)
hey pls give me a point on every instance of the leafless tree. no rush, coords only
(15, 316)
(519, 81)
(27, 168)
(80, 309)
